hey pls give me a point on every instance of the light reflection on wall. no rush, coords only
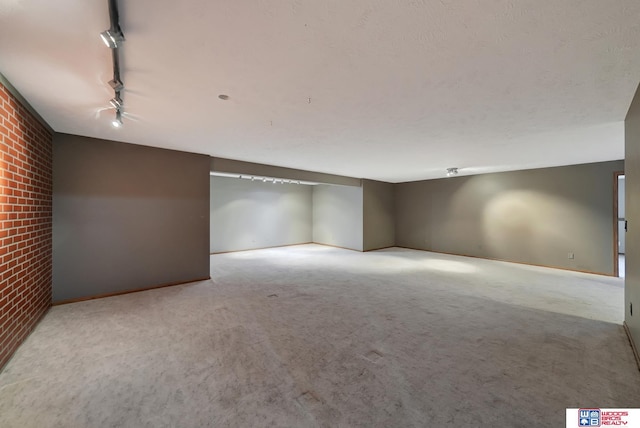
(525, 225)
(527, 216)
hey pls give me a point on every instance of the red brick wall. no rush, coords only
(25, 223)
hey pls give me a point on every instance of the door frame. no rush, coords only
(616, 271)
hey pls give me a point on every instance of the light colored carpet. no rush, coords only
(312, 336)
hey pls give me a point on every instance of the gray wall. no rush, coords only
(632, 179)
(337, 216)
(533, 216)
(249, 214)
(126, 217)
(378, 215)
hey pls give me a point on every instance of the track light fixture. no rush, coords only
(113, 38)
(452, 171)
(258, 178)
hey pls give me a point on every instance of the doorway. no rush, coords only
(619, 227)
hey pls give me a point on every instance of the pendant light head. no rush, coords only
(113, 39)
(116, 84)
(116, 102)
(117, 122)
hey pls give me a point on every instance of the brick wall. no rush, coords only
(25, 223)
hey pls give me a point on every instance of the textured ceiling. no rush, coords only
(390, 90)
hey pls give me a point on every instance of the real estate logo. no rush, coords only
(603, 417)
(589, 417)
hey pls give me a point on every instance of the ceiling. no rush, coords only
(393, 90)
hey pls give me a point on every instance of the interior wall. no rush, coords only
(378, 215)
(337, 216)
(249, 214)
(126, 217)
(534, 216)
(632, 183)
(25, 221)
(622, 238)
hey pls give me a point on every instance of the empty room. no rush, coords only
(319, 214)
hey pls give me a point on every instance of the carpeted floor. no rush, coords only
(312, 336)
